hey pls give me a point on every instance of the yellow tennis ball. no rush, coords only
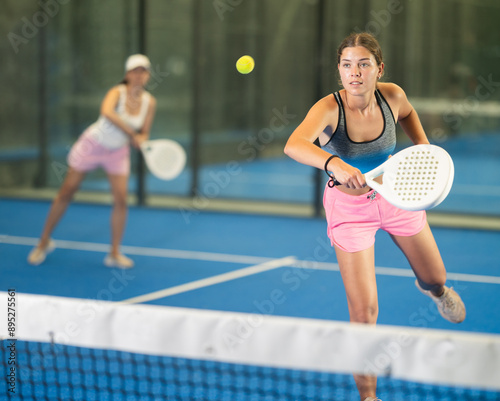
(245, 64)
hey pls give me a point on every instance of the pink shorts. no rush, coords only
(354, 220)
(87, 154)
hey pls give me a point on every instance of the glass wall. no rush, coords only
(59, 58)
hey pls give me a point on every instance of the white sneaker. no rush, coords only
(449, 304)
(120, 261)
(38, 255)
(372, 399)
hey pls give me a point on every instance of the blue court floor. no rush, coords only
(237, 262)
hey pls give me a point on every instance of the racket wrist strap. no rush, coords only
(332, 181)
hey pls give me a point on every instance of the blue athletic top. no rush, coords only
(363, 155)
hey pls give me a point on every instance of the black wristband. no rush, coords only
(332, 182)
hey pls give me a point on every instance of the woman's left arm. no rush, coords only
(413, 128)
(406, 115)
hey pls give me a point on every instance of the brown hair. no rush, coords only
(365, 40)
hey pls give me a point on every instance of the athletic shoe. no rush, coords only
(372, 399)
(449, 304)
(38, 255)
(120, 261)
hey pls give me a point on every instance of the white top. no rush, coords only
(111, 136)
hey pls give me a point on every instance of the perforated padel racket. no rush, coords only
(416, 178)
(165, 158)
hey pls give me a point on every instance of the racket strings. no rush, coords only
(416, 176)
(164, 159)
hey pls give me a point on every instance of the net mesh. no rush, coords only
(56, 370)
(59, 372)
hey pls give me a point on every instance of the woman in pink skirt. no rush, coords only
(356, 130)
(126, 116)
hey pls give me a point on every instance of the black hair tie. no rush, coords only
(332, 181)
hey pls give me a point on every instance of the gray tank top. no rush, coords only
(363, 155)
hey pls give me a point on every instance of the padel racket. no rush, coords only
(416, 178)
(165, 158)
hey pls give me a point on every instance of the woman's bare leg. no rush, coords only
(64, 197)
(119, 189)
(358, 274)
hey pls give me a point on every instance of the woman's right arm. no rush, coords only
(300, 146)
(143, 135)
(108, 110)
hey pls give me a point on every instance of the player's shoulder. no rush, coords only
(116, 89)
(148, 94)
(152, 99)
(324, 110)
(327, 103)
(391, 91)
(113, 94)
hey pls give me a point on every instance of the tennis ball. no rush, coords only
(245, 64)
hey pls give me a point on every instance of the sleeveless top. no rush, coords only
(363, 155)
(108, 134)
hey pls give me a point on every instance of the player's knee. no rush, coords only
(432, 284)
(66, 195)
(365, 314)
(120, 201)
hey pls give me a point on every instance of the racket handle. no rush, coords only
(373, 184)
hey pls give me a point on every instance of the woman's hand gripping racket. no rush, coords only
(165, 158)
(416, 178)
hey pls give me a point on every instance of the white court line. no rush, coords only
(143, 251)
(398, 272)
(222, 257)
(206, 282)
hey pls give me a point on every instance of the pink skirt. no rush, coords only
(354, 220)
(87, 155)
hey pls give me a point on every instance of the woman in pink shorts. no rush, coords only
(356, 130)
(126, 116)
